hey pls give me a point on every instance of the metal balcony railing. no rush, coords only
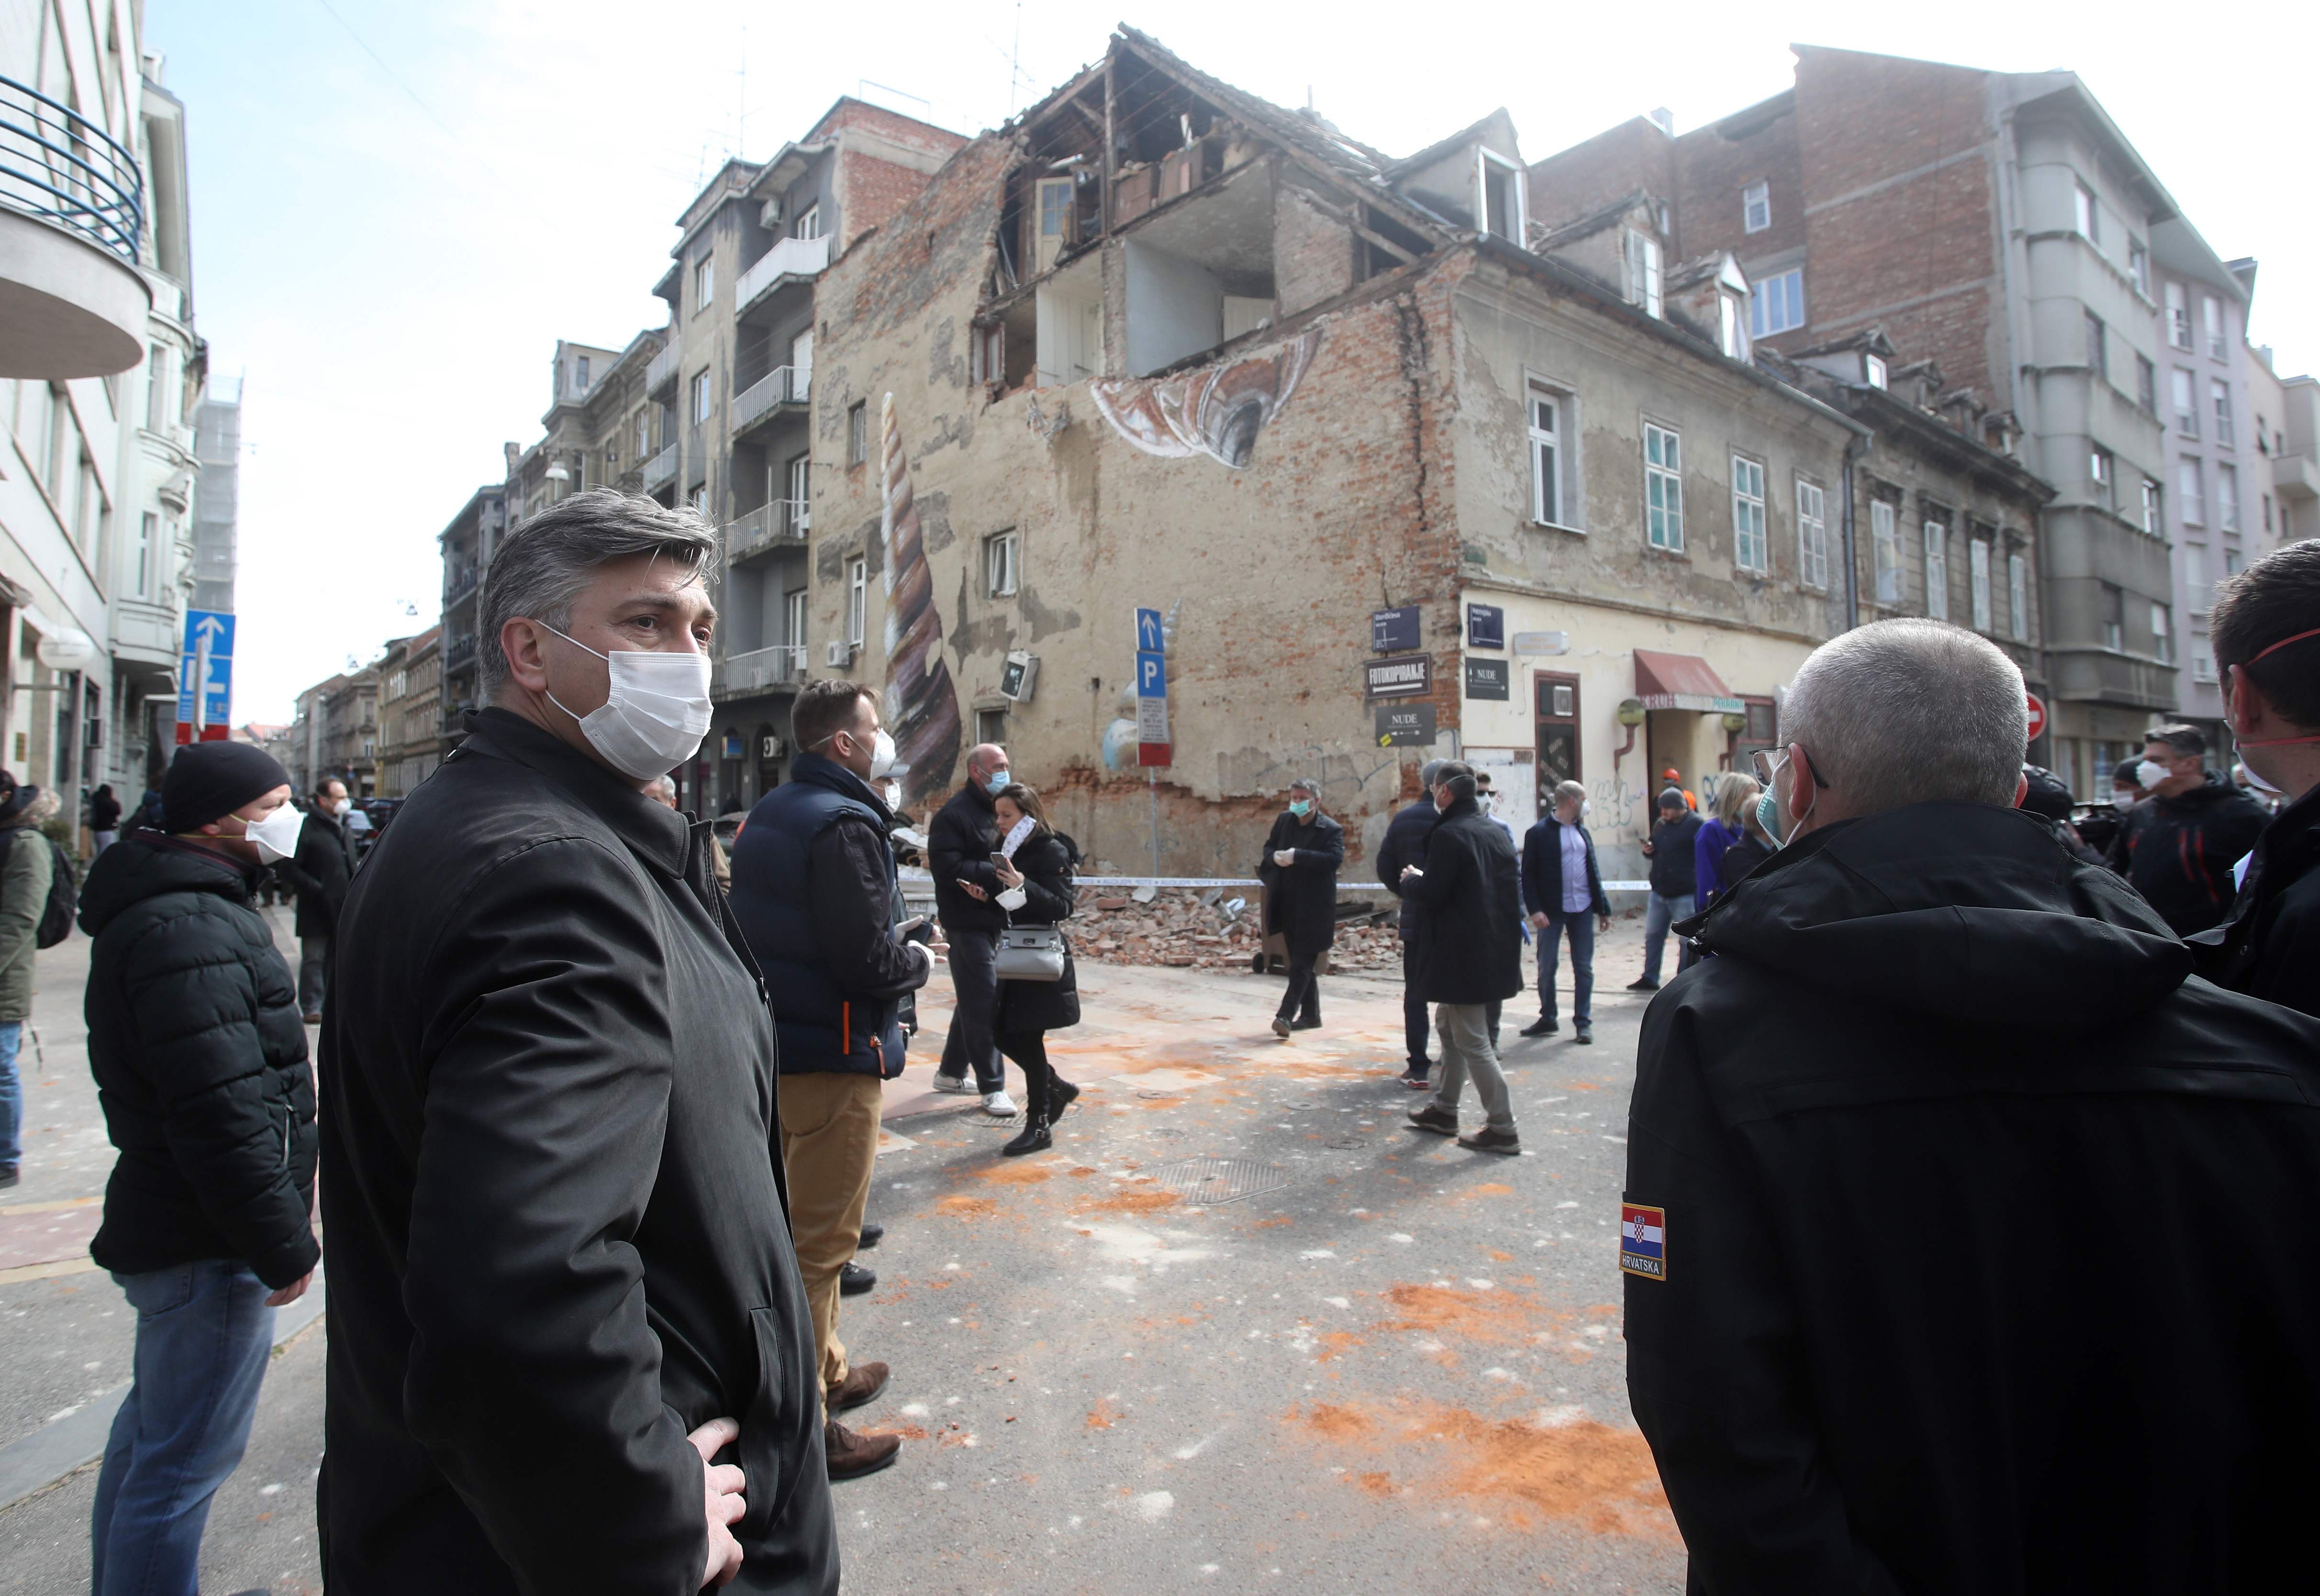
(461, 651)
(759, 667)
(458, 585)
(58, 165)
(785, 384)
(792, 258)
(662, 371)
(660, 469)
(781, 521)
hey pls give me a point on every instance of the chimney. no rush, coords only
(1665, 120)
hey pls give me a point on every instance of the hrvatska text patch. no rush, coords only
(1643, 1240)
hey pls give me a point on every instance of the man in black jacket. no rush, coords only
(2266, 626)
(201, 1067)
(1302, 855)
(1968, 1236)
(1405, 843)
(1562, 893)
(960, 841)
(568, 1348)
(815, 890)
(325, 863)
(1468, 895)
(1671, 875)
(2180, 846)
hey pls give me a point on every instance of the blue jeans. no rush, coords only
(1659, 913)
(203, 1334)
(1581, 927)
(12, 1097)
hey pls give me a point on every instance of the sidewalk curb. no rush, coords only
(30, 1464)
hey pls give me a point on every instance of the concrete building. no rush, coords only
(217, 500)
(336, 732)
(2296, 460)
(467, 543)
(2000, 226)
(1401, 484)
(410, 712)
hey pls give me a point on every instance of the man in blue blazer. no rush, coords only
(1562, 891)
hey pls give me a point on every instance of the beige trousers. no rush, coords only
(829, 1138)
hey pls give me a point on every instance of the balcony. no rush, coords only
(72, 216)
(458, 584)
(459, 653)
(2294, 476)
(741, 674)
(781, 391)
(660, 469)
(662, 371)
(783, 523)
(793, 260)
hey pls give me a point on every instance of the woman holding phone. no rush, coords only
(1035, 863)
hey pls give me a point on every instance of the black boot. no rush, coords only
(1035, 1136)
(1310, 1017)
(1061, 1096)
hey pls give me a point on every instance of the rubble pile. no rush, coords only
(1173, 926)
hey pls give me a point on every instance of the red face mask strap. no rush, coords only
(2275, 648)
(2283, 642)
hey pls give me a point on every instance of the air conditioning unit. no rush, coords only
(770, 213)
(1019, 679)
(839, 655)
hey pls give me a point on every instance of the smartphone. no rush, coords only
(923, 932)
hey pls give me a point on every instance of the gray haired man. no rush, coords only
(1404, 844)
(1468, 895)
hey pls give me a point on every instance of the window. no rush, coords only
(2162, 642)
(1749, 551)
(1886, 539)
(991, 725)
(2195, 571)
(2191, 488)
(1977, 572)
(157, 390)
(1503, 208)
(1756, 207)
(857, 432)
(1055, 220)
(799, 483)
(2211, 317)
(2113, 616)
(699, 408)
(857, 600)
(1732, 325)
(704, 281)
(2089, 214)
(1545, 459)
(2017, 598)
(699, 498)
(1662, 488)
(2102, 474)
(580, 375)
(999, 567)
(2219, 394)
(2097, 353)
(2227, 498)
(1812, 535)
(794, 628)
(1872, 367)
(1937, 571)
(1778, 304)
(148, 533)
(644, 434)
(2267, 512)
(808, 224)
(2178, 318)
(2230, 562)
(2203, 665)
(2138, 265)
(2187, 404)
(2146, 384)
(1643, 273)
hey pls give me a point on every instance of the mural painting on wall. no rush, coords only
(1217, 410)
(922, 703)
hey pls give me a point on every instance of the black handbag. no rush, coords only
(1030, 953)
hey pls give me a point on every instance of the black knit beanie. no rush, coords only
(210, 780)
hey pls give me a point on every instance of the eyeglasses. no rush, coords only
(1767, 765)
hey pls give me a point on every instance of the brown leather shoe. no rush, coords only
(863, 1383)
(852, 1456)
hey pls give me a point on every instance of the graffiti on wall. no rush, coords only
(922, 702)
(1217, 410)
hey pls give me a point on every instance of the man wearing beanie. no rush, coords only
(200, 1059)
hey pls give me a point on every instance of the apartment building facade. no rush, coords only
(2000, 226)
(410, 712)
(467, 543)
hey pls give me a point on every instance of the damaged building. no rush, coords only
(1401, 483)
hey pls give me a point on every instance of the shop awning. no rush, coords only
(1683, 681)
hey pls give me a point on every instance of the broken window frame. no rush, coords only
(1490, 163)
(1002, 573)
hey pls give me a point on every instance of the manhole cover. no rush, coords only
(1347, 1145)
(1221, 1180)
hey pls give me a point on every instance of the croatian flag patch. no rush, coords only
(1643, 1240)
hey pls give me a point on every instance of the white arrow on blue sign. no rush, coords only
(213, 626)
(1151, 637)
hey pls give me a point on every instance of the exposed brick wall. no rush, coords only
(1586, 177)
(1715, 169)
(908, 132)
(1312, 255)
(871, 191)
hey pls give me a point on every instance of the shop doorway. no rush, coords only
(1555, 706)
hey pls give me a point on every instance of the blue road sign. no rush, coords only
(216, 688)
(1151, 675)
(214, 627)
(1151, 637)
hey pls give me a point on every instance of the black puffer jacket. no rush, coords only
(1046, 861)
(199, 1055)
(1468, 944)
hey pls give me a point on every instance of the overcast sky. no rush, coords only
(399, 208)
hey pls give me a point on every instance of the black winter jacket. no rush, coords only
(1301, 899)
(1047, 862)
(960, 841)
(558, 1235)
(1404, 843)
(2270, 946)
(319, 873)
(200, 1060)
(2179, 852)
(1959, 1284)
(1542, 869)
(1675, 871)
(1468, 946)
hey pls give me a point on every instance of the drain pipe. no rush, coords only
(1854, 447)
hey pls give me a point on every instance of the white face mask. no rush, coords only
(341, 806)
(2151, 773)
(275, 834)
(882, 755)
(655, 713)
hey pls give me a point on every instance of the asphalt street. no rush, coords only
(1240, 1326)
